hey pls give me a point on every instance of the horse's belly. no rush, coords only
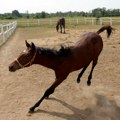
(78, 64)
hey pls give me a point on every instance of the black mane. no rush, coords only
(62, 52)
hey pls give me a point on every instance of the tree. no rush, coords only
(38, 15)
(16, 14)
(97, 12)
(43, 14)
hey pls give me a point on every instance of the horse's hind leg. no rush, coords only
(90, 75)
(81, 73)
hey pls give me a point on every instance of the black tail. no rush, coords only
(108, 28)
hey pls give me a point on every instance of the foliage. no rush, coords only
(98, 12)
(16, 14)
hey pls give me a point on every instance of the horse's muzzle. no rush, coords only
(12, 69)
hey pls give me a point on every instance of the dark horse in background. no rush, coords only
(65, 60)
(60, 23)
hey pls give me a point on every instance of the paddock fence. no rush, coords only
(6, 31)
(69, 21)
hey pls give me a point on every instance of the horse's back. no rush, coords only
(90, 40)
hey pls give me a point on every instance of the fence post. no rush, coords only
(70, 21)
(77, 21)
(2, 31)
(50, 22)
(38, 22)
(92, 21)
(101, 22)
(28, 23)
(85, 21)
(110, 21)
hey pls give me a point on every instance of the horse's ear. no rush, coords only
(27, 44)
(32, 45)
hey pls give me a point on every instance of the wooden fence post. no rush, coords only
(28, 23)
(38, 22)
(2, 32)
(77, 21)
(101, 22)
(92, 21)
(85, 21)
(110, 21)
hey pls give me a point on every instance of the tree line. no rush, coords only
(98, 12)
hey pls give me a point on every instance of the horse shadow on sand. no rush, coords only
(103, 110)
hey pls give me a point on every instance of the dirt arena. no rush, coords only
(71, 101)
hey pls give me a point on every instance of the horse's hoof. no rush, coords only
(78, 81)
(31, 110)
(88, 83)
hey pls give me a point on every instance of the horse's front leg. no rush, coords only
(61, 28)
(46, 94)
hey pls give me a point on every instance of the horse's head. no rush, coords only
(57, 27)
(25, 59)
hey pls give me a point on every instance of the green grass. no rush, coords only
(51, 22)
(71, 22)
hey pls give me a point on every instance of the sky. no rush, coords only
(53, 6)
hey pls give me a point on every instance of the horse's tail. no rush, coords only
(108, 28)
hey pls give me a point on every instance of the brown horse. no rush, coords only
(64, 61)
(61, 23)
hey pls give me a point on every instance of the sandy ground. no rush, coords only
(71, 101)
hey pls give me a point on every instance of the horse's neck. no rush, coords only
(46, 61)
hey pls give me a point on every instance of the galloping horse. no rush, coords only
(61, 23)
(65, 60)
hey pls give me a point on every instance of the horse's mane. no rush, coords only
(62, 52)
